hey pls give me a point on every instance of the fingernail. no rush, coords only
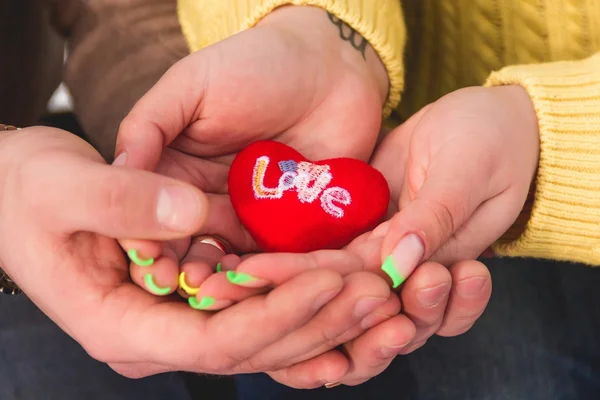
(154, 288)
(186, 288)
(471, 287)
(367, 305)
(120, 160)
(203, 304)
(177, 208)
(238, 278)
(243, 279)
(135, 257)
(324, 298)
(431, 297)
(404, 259)
(218, 268)
(373, 319)
(332, 385)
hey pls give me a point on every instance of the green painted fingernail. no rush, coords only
(389, 268)
(154, 288)
(219, 267)
(133, 256)
(238, 278)
(204, 303)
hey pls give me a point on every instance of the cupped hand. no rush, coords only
(61, 205)
(460, 172)
(291, 78)
(435, 300)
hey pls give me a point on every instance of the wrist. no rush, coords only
(519, 102)
(332, 38)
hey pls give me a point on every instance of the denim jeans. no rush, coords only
(39, 362)
(539, 339)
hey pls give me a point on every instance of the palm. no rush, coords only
(287, 90)
(320, 121)
(210, 175)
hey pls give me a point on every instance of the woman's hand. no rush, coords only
(290, 78)
(460, 171)
(60, 205)
(435, 300)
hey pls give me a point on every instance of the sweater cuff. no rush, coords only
(563, 221)
(205, 22)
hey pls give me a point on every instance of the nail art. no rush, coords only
(389, 268)
(404, 259)
(187, 288)
(203, 304)
(218, 267)
(133, 256)
(238, 278)
(154, 288)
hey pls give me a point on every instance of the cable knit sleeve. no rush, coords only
(564, 219)
(205, 22)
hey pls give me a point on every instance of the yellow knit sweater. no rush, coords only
(551, 47)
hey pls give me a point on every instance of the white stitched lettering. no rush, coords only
(309, 180)
(258, 181)
(336, 194)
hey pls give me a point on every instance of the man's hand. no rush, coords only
(61, 204)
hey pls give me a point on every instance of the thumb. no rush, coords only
(444, 202)
(161, 115)
(119, 202)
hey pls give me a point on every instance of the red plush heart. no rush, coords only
(290, 204)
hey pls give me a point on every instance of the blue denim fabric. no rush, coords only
(39, 362)
(539, 339)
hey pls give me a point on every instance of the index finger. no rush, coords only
(276, 268)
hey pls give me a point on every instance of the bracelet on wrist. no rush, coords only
(7, 285)
(4, 127)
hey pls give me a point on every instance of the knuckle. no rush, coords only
(127, 127)
(425, 320)
(254, 364)
(329, 338)
(283, 377)
(127, 371)
(468, 314)
(455, 330)
(224, 365)
(110, 196)
(413, 347)
(423, 334)
(97, 352)
(20, 174)
(443, 215)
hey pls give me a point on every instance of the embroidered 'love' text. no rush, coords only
(308, 179)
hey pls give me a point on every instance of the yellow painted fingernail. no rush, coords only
(186, 288)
